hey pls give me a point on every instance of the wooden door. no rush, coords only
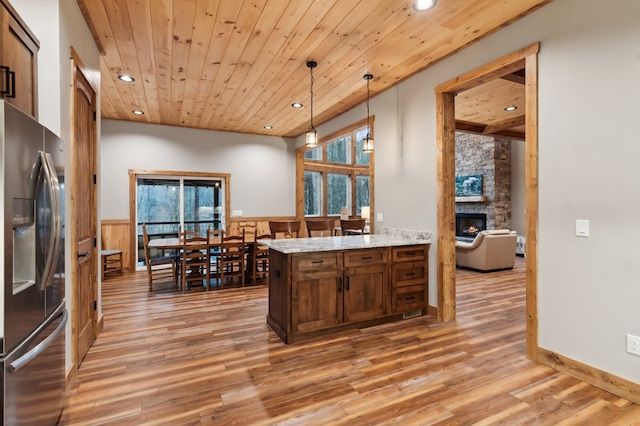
(18, 75)
(317, 300)
(365, 292)
(83, 213)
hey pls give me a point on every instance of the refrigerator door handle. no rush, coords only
(53, 188)
(40, 347)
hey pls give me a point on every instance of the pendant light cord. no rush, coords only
(311, 69)
(368, 119)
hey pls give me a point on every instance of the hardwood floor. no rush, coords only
(209, 358)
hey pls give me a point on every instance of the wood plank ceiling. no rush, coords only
(238, 65)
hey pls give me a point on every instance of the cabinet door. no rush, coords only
(18, 77)
(316, 300)
(365, 292)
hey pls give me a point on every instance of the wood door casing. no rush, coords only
(83, 212)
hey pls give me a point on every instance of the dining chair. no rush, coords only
(352, 226)
(231, 261)
(320, 227)
(286, 228)
(160, 270)
(260, 258)
(194, 260)
(214, 236)
(111, 260)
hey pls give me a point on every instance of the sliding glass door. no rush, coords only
(167, 204)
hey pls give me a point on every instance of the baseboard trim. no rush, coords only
(601, 379)
(432, 311)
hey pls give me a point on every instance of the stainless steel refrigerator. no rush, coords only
(32, 309)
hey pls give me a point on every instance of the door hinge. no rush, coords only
(95, 305)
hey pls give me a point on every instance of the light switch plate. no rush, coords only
(236, 213)
(379, 217)
(582, 228)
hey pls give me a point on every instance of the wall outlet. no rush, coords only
(236, 213)
(379, 217)
(633, 344)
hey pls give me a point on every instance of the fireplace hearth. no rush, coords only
(470, 224)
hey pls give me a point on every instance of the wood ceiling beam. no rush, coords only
(505, 125)
(480, 129)
(515, 77)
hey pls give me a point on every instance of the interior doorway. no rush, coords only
(84, 323)
(445, 106)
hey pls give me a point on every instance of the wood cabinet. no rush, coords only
(365, 284)
(18, 61)
(409, 278)
(316, 283)
(315, 293)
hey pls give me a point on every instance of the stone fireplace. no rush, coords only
(491, 158)
(469, 224)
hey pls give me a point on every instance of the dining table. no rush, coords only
(177, 243)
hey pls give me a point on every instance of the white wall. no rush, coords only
(262, 168)
(589, 62)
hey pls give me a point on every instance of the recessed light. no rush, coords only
(296, 105)
(268, 127)
(422, 5)
(126, 78)
(137, 112)
(511, 108)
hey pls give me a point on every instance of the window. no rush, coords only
(167, 203)
(336, 174)
(312, 193)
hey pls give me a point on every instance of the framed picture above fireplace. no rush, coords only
(468, 186)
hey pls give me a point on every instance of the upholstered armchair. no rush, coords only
(489, 251)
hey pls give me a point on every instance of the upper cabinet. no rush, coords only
(18, 61)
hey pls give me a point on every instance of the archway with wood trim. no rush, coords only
(445, 109)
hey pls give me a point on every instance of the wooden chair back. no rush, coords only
(320, 227)
(260, 258)
(231, 261)
(215, 240)
(352, 226)
(194, 260)
(287, 228)
(158, 271)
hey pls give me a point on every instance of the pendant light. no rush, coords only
(367, 143)
(311, 137)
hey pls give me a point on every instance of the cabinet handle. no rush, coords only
(83, 254)
(366, 257)
(347, 283)
(339, 284)
(409, 274)
(410, 298)
(7, 80)
(318, 261)
(12, 93)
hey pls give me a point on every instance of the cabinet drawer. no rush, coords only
(409, 253)
(409, 298)
(364, 257)
(408, 273)
(316, 262)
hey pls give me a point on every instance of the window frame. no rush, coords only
(134, 175)
(324, 167)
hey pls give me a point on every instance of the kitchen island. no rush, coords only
(325, 284)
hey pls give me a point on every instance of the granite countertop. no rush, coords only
(315, 244)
